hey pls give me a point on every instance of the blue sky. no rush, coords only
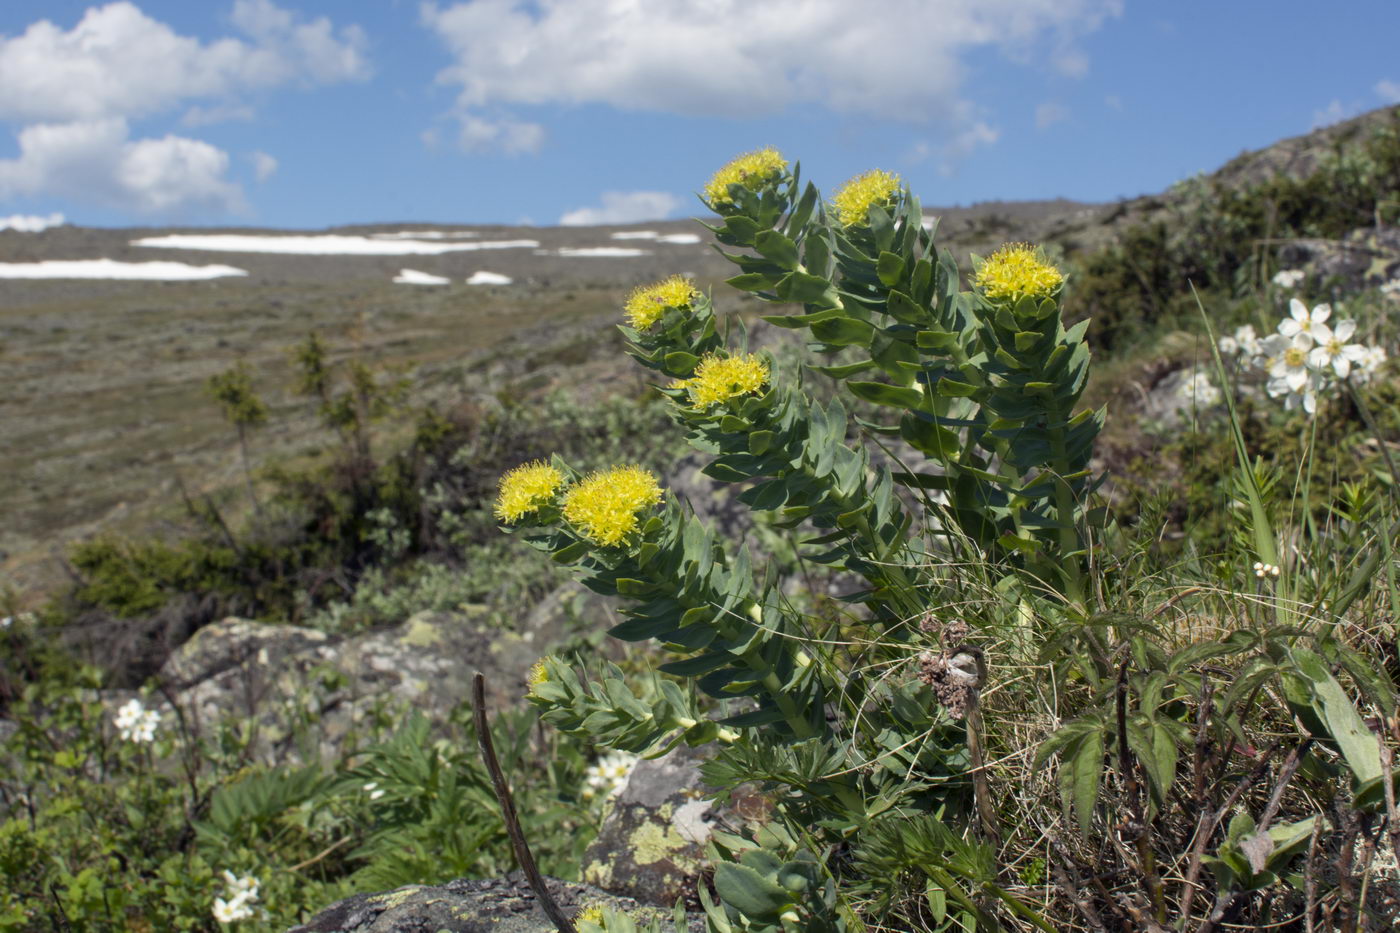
(309, 113)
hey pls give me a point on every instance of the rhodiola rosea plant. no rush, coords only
(962, 500)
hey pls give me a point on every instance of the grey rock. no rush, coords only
(652, 843)
(279, 676)
(504, 905)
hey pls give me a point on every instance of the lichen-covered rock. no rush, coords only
(652, 842)
(277, 677)
(505, 905)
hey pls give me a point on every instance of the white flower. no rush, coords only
(1288, 361)
(1289, 278)
(1306, 397)
(1197, 390)
(1229, 346)
(606, 776)
(1311, 323)
(1266, 570)
(1336, 352)
(1372, 359)
(1247, 340)
(135, 723)
(6, 622)
(243, 893)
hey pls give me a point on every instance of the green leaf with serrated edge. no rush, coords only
(843, 372)
(802, 287)
(1084, 771)
(773, 245)
(890, 268)
(816, 254)
(883, 394)
(759, 442)
(570, 553)
(698, 666)
(752, 282)
(903, 309)
(1344, 724)
(922, 480)
(843, 331)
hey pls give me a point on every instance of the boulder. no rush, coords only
(652, 843)
(505, 905)
(275, 676)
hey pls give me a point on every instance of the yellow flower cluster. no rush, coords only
(718, 379)
(593, 914)
(526, 489)
(1017, 270)
(537, 675)
(605, 505)
(857, 196)
(647, 302)
(752, 170)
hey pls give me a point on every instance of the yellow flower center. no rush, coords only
(857, 196)
(526, 489)
(719, 379)
(753, 170)
(647, 303)
(605, 505)
(1295, 357)
(1015, 271)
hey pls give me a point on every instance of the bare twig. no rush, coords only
(1310, 879)
(320, 855)
(517, 835)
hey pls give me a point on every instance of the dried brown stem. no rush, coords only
(517, 835)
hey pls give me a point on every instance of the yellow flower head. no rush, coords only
(752, 170)
(593, 914)
(605, 505)
(526, 489)
(719, 378)
(538, 674)
(857, 196)
(647, 302)
(1017, 270)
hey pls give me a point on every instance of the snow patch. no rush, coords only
(320, 245)
(112, 269)
(414, 277)
(678, 238)
(614, 252)
(30, 223)
(425, 235)
(482, 277)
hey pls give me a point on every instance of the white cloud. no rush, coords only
(1334, 112)
(957, 148)
(218, 113)
(623, 207)
(73, 92)
(30, 223)
(264, 165)
(117, 61)
(510, 136)
(94, 160)
(1388, 90)
(1050, 113)
(738, 58)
